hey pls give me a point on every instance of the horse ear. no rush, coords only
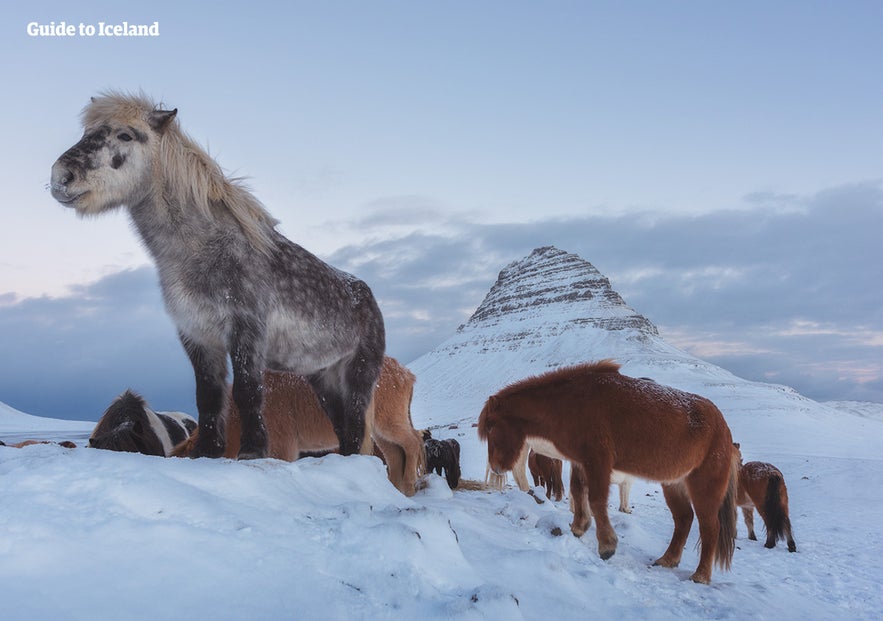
(160, 119)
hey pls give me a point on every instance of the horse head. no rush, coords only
(125, 426)
(113, 162)
(505, 438)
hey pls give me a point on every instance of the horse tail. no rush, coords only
(774, 508)
(421, 454)
(726, 515)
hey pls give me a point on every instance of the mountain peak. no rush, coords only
(557, 285)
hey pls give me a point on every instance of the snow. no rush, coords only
(91, 534)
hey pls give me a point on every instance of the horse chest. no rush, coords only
(196, 316)
(545, 447)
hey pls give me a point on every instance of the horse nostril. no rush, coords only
(61, 176)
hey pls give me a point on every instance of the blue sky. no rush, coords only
(720, 162)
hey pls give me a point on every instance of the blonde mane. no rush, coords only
(190, 176)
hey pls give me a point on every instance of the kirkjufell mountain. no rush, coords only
(552, 309)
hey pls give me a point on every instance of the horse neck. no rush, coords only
(162, 227)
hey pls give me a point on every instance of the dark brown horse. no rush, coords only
(442, 455)
(601, 420)
(546, 471)
(762, 487)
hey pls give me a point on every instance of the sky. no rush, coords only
(719, 162)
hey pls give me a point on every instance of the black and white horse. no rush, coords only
(232, 284)
(129, 425)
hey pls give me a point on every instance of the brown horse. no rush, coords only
(546, 471)
(24, 443)
(762, 486)
(297, 424)
(601, 420)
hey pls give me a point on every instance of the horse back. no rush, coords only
(755, 479)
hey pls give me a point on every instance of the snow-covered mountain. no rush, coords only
(552, 309)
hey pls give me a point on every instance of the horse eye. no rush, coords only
(124, 137)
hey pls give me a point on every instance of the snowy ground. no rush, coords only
(88, 534)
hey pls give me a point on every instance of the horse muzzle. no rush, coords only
(59, 185)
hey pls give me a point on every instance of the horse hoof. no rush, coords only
(606, 555)
(792, 547)
(700, 579)
(663, 562)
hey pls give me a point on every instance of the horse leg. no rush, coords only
(519, 470)
(707, 498)
(395, 465)
(682, 512)
(579, 501)
(415, 459)
(248, 392)
(624, 489)
(598, 481)
(210, 370)
(748, 515)
(792, 547)
(345, 390)
(557, 483)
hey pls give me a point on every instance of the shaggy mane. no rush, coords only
(194, 179)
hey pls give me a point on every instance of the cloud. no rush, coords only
(68, 357)
(739, 288)
(783, 289)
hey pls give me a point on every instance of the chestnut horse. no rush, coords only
(546, 471)
(24, 443)
(601, 420)
(297, 424)
(762, 486)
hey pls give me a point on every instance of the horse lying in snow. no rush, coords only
(443, 455)
(762, 487)
(129, 425)
(24, 443)
(297, 424)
